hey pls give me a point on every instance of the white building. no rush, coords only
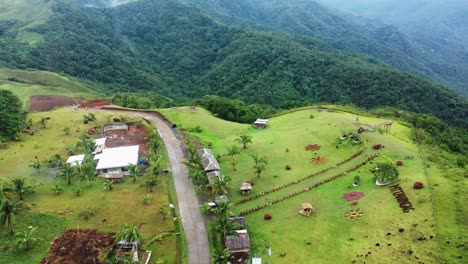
(100, 144)
(117, 159)
(75, 160)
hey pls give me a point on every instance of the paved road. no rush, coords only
(189, 208)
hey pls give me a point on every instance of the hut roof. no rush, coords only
(245, 186)
(261, 121)
(221, 198)
(213, 175)
(211, 164)
(307, 205)
(75, 160)
(205, 153)
(237, 243)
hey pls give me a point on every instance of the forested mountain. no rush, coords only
(348, 33)
(176, 50)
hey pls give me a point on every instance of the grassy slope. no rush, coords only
(30, 12)
(42, 83)
(327, 237)
(122, 205)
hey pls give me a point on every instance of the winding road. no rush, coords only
(189, 208)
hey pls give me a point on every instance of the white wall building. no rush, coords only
(117, 159)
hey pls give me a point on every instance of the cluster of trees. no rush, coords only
(142, 101)
(12, 116)
(177, 51)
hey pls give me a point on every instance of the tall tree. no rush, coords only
(244, 140)
(12, 115)
(130, 233)
(21, 187)
(220, 185)
(8, 209)
(67, 173)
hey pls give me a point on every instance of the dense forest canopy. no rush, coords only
(180, 52)
(12, 115)
(441, 60)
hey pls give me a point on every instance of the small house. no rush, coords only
(117, 159)
(211, 164)
(307, 209)
(237, 244)
(245, 188)
(261, 123)
(76, 160)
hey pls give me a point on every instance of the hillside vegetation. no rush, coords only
(177, 51)
(355, 34)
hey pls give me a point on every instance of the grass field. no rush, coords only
(42, 83)
(327, 237)
(122, 205)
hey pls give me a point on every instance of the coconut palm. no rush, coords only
(21, 187)
(130, 234)
(151, 182)
(8, 209)
(197, 175)
(220, 185)
(57, 189)
(36, 165)
(220, 256)
(259, 163)
(67, 172)
(25, 239)
(134, 170)
(87, 171)
(232, 153)
(244, 140)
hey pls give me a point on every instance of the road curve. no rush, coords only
(189, 208)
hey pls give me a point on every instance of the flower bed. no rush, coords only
(401, 197)
(318, 160)
(312, 147)
(353, 196)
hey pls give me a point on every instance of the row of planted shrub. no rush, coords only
(298, 180)
(401, 197)
(260, 207)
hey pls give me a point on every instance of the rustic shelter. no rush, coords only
(261, 123)
(236, 244)
(213, 175)
(210, 164)
(240, 220)
(307, 209)
(245, 188)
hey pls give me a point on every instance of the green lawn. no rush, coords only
(122, 205)
(327, 237)
(42, 83)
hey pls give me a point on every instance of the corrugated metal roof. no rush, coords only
(76, 159)
(118, 157)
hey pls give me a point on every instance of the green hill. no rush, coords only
(443, 63)
(178, 51)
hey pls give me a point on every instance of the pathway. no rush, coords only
(189, 208)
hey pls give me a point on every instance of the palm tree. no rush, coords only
(197, 175)
(130, 234)
(24, 239)
(67, 172)
(244, 140)
(220, 256)
(21, 187)
(220, 185)
(232, 153)
(151, 182)
(134, 170)
(259, 163)
(36, 165)
(7, 211)
(87, 172)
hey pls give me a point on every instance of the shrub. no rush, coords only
(418, 185)
(377, 146)
(288, 167)
(399, 163)
(267, 216)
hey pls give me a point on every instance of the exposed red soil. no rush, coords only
(95, 104)
(239, 258)
(318, 160)
(48, 102)
(76, 246)
(134, 136)
(312, 147)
